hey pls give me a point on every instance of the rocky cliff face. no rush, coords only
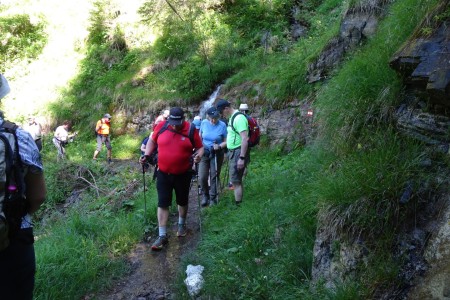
(424, 63)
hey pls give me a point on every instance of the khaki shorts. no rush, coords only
(235, 174)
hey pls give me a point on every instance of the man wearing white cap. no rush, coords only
(17, 257)
(243, 108)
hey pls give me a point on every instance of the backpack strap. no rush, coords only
(190, 134)
(12, 158)
(232, 121)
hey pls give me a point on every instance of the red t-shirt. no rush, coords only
(175, 149)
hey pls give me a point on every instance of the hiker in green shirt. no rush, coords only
(237, 144)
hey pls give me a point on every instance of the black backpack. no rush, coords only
(12, 198)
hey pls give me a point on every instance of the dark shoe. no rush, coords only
(160, 242)
(238, 203)
(205, 201)
(182, 231)
(109, 160)
(213, 201)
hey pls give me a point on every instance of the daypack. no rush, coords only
(12, 199)
(254, 133)
(153, 159)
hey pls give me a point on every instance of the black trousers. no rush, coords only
(18, 267)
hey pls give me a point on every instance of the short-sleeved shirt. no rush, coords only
(211, 133)
(61, 133)
(240, 124)
(175, 149)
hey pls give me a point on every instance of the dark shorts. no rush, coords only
(167, 183)
(235, 174)
(103, 139)
(18, 266)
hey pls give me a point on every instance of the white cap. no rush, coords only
(4, 86)
(243, 106)
(197, 118)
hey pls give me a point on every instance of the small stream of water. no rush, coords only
(208, 103)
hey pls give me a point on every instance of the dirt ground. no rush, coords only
(153, 272)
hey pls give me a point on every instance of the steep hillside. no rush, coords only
(349, 211)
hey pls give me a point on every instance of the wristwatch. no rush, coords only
(242, 157)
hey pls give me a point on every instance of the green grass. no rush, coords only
(81, 248)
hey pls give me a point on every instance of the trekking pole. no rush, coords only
(217, 179)
(198, 201)
(145, 198)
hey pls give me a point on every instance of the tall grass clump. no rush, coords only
(83, 252)
(361, 190)
(365, 91)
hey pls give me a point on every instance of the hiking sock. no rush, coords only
(162, 230)
(181, 221)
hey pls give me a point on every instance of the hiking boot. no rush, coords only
(109, 160)
(182, 231)
(205, 201)
(160, 242)
(213, 201)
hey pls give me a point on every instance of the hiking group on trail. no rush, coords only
(179, 147)
(22, 192)
(184, 149)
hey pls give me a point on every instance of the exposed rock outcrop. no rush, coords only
(358, 23)
(424, 62)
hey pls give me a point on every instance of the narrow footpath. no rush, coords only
(153, 272)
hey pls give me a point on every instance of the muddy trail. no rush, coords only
(153, 272)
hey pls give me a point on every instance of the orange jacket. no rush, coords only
(103, 126)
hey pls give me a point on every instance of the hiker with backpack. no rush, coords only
(179, 147)
(161, 118)
(243, 108)
(61, 138)
(35, 129)
(237, 144)
(214, 136)
(254, 131)
(103, 131)
(22, 194)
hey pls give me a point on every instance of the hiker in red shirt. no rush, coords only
(175, 159)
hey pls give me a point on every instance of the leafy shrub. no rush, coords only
(20, 39)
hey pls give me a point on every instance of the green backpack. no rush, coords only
(12, 199)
